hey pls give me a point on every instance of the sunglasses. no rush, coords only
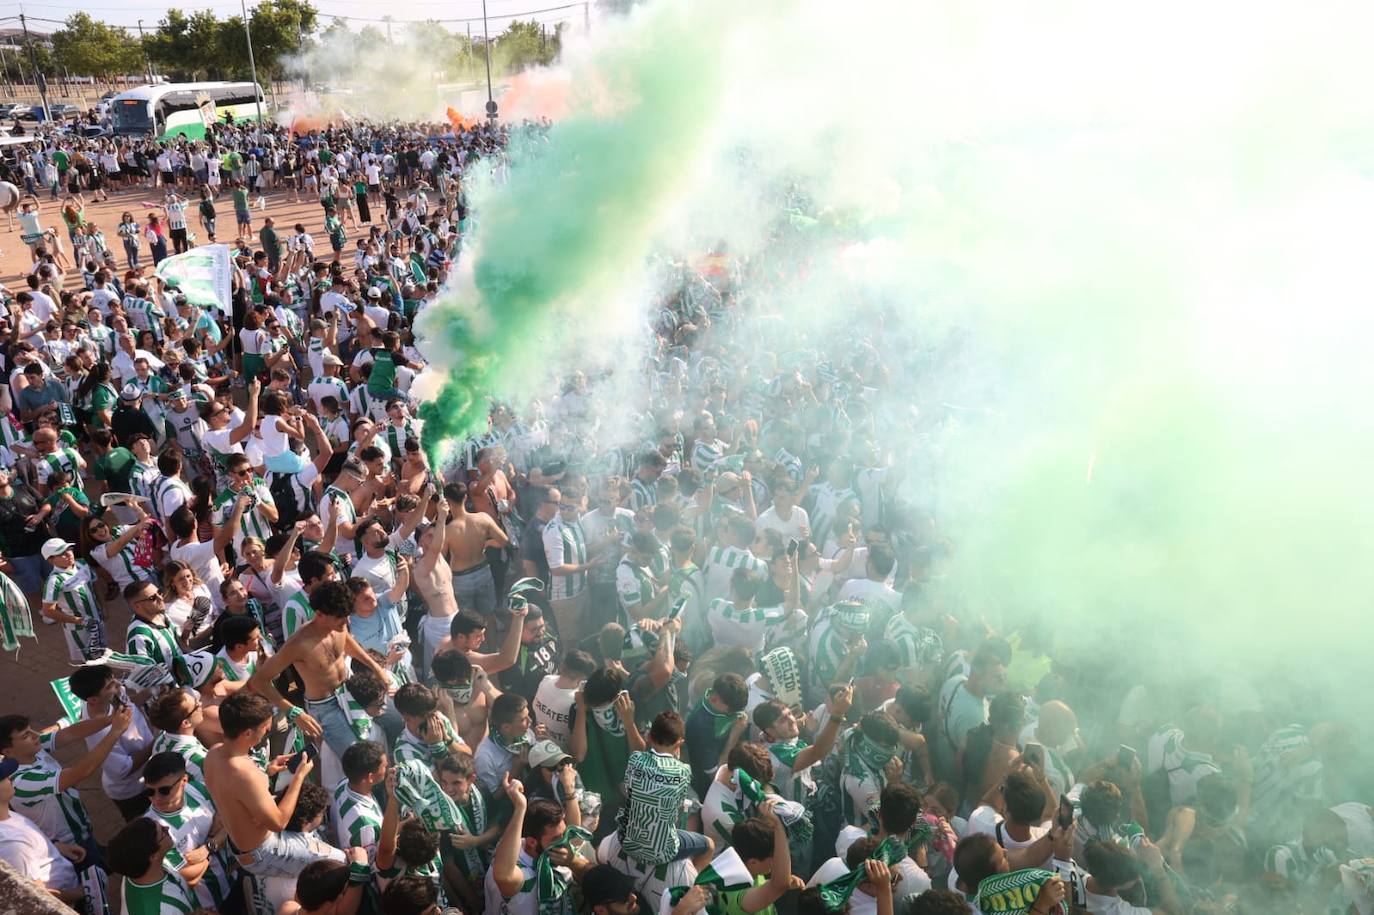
(163, 790)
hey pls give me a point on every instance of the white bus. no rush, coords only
(171, 109)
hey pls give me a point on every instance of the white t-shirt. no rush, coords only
(522, 903)
(25, 848)
(120, 778)
(871, 592)
(553, 708)
(202, 560)
(1112, 905)
(791, 529)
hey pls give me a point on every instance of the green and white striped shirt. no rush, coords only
(746, 626)
(655, 785)
(59, 814)
(721, 563)
(792, 785)
(190, 749)
(359, 819)
(63, 459)
(634, 587)
(252, 523)
(151, 640)
(295, 613)
(70, 589)
(190, 829)
(168, 896)
(564, 544)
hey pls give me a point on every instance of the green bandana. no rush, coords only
(515, 597)
(721, 722)
(550, 884)
(836, 893)
(864, 756)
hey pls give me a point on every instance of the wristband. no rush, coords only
(359, 872)
(294, 712)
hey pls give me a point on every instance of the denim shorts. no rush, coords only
(285, 854)
(690, 845)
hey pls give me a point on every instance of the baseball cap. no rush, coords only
(130, 393)
(547, 753)
(55, 547)
(374, 293)
(604, 884)
(8, 767)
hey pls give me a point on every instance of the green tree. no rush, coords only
(188, 47)
(523, 45)
(88, 47)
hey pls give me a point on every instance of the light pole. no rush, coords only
(486, 45)
(147, 61)
(37, 76)
(252, 67)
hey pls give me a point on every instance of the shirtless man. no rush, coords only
(239, 788)
(468, 536)
(435, 583)
(320, 650)
(465, 694)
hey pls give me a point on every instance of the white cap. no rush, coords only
(55, 547)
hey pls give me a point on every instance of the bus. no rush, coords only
(172, 109)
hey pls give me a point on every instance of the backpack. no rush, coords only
(285, 495)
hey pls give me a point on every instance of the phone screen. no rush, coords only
(1064, 819)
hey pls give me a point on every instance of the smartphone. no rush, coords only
(1035, 755)
(1064, 818)
(295, 761)
(676, 609)
(792, 546)
(1126, 757)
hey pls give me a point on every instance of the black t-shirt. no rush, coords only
(126, 422)
(532, 547)
(14, 539)
(533, 664)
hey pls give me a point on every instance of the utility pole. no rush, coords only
(388, 30)
(252, 66)
(5, 69)
(147, 61)
(300, 48)
(38, 77)
(587, 15)
(486, 44)
(472, 61)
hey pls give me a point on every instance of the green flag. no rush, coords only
(71, 706)
(203, 275)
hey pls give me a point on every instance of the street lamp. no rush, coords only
(252, 67)
(486, 44)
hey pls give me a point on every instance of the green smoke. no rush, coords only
(575, 216)
(1144, 243)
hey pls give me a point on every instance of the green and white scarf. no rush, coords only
(864, 757)
(750, 794)
(726, 872)
(16, 619)
(721, 722)
(836, 892)
(473, 825)
(608, 719)
(550, 884)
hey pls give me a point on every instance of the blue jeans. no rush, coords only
(285, 854)
(329, 712)
(690, 845)
(475, 589)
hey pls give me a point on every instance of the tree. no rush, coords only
(279, 30)
(90, 48)
(188, 48)
(523, 45)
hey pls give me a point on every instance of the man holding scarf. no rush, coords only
(534, 866)
(714, 727)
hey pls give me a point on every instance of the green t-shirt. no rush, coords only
(60, 159)
(326, 157)
(383, 377)
(732, 901)
(240, 198)
(268, 238)
(115, 467)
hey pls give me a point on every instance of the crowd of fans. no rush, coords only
(691, 670)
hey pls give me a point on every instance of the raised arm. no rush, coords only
(91, 763)
(761, 897)
(430, 557)
(505, 862)
(510, 648)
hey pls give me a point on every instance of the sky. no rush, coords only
(499, 12)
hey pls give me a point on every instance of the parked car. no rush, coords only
(5, 110)
(23, 113)
(63, 111)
